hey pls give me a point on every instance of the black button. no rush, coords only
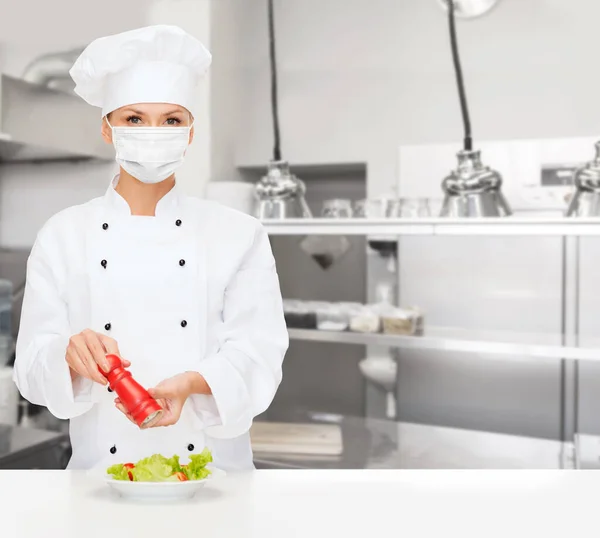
(110, 390)
(178, 222)
(113, 449)
(107, 327)
(105, 226)
(184, 323)
(182, 262)
(104, 263)
(191, 447)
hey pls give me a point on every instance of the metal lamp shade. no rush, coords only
(473, 190)
(586, 200)
(280, 194)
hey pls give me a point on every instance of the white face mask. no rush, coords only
(150, 154)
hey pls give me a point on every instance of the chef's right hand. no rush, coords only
(87, 351)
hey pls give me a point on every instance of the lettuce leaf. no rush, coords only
(196, 469)
(197, 474)
(118, 472)
(156, 468)
(174, 463)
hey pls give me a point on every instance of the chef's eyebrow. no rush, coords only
(135, 111)
(174, 111)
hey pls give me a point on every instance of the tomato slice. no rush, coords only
(181, 477)
(130, 475)
(128, 465)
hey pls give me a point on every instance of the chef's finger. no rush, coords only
(85, 359)
(126, 363)
(96, 348)
(124, 411)
(159, 392)
(91, 365)
(75, 363)
(110, 345)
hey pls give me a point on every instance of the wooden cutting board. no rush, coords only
(288, 438)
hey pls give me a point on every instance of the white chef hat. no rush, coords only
(155, 64)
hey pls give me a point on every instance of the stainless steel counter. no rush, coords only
(25, 448)
(379, 444)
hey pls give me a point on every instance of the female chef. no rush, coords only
(184, 289)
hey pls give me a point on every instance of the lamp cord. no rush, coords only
(468, 140)
(274, 104)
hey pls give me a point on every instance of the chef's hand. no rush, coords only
(86, 351)
(171, 394)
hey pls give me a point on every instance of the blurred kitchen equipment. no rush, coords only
(52, 69)
(586, 200)
(299, 314)
(29, 448)
(411, 208)
(6, 302)
(337, 208)
(332, 317)
(280, 193)
(235, 194)
(291, 438)
(382, 371)
(6, 349)
(468, 9)
(75, 136)
(472, 190)
(26, 421)
(9, 397)
(325, 249)
(377, 208)
(365, 320)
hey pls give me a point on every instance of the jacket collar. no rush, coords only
(169, 206)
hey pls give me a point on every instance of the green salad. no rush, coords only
(157, 468)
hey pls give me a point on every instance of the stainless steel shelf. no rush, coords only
(487, 343)
(437, 226)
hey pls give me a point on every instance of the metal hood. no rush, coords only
(42, 123)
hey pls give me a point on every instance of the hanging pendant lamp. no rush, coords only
(586, 200)
(472, 189)
(280, 193)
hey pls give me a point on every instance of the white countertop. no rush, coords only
(309, 504)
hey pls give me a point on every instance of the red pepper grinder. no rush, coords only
(135, 399)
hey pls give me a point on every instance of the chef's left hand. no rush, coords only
(171, 395)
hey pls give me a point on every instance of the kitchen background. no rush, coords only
(368, 109)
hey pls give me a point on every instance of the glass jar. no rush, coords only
(399, 321)
(412, 208)
(332, 317)
(298, 315)
(377, 208)
(338, 208)
(419, 320)
(365, 320)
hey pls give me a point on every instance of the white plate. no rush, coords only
(160, 491)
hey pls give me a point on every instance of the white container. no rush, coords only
(9, 398)
(235, 194)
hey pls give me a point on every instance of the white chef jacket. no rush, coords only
(192, 288)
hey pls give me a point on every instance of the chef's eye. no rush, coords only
(173, 121)
(135, 120)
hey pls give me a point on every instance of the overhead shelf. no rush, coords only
(487, 343)
(510, 226)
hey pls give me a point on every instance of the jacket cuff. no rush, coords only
(229, 397)
(64, 400)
